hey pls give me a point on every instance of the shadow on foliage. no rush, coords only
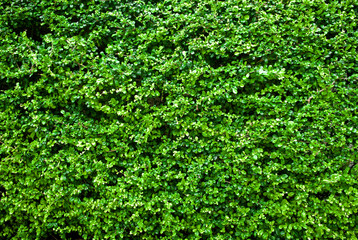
(34, 28)
(24, 82)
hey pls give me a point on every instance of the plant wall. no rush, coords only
(178, 119)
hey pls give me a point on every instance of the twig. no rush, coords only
(319, 91)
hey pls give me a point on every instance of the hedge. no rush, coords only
(180, 119)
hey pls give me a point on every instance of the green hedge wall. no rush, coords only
(180, 119)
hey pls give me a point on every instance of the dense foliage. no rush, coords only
(180, 119)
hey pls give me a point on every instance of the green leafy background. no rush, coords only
(178, 119)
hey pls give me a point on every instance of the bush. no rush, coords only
(178, 119)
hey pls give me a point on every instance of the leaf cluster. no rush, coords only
(178, 119)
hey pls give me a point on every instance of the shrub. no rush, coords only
(178, 119)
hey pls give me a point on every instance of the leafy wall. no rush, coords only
(178, 119)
